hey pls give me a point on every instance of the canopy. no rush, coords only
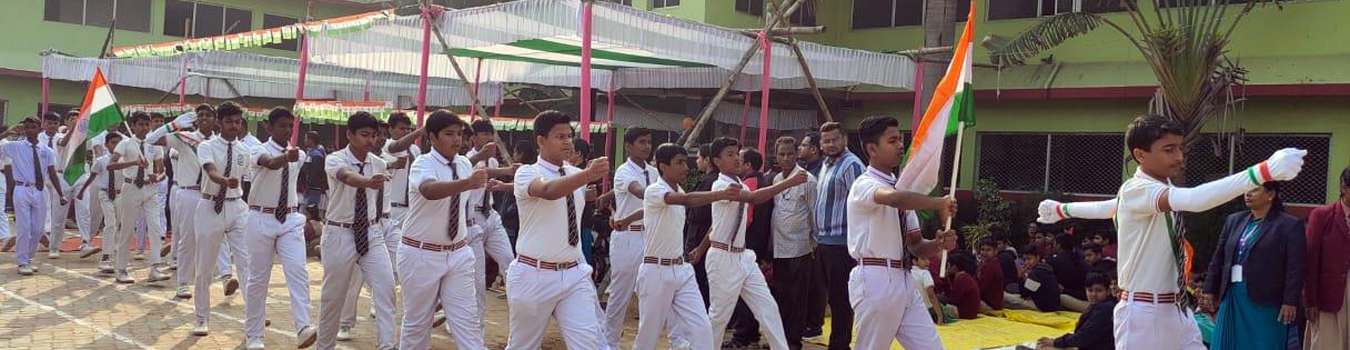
(537, 42)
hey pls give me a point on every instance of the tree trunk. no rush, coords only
(939, 29)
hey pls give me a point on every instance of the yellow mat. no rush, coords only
(1012, 327)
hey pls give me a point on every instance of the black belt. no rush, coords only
(340, 225)
(25, 184)
(433, 246)
(190, 188)
(273, 210)
(545, 265)
(727, 247)
(894, 264)
(634, 228)
(213, 198)
(399, 205)
(662, 261)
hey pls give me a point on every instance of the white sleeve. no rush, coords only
(524, 177)
(1053, 211)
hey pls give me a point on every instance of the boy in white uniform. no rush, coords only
(732, 270)
(434, 266)
(102, 215)
(547, 280)
(220, 213)
(55, 139)
(139, 167)
(667, 293)
(887, 302)
(626, 242)
(487, 235)
(30, 164)
(276, 227)
(349, 241)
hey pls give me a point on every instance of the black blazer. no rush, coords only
(1274, 268)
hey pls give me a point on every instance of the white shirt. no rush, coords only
(267, 182)
(627, 203)
(398, 184)
(793, 223)
(543, 223)
(725, 214)
(251, 146)
(100, 168)
(342, 197)
(665, 230)
(187, 168)
(924, 279)
(1146, 263)
(874, 229)
(133, 150)
(224, 155)
(432, 225)
(477, 212)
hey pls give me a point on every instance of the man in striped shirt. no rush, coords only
(836, 176)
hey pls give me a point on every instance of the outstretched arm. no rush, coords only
(1052, 211)
(1284, 165)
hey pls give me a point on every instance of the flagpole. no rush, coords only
(951, 191)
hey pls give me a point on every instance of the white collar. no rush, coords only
(724, 176)
(642, 166)
(550, 166)
(1140, 174)
(441, 157)
(886, 177)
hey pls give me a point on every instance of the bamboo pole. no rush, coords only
(473, 94)
(811, 80)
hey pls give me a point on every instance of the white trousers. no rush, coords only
(736, 275)
(30, 214)
(56, 220)
(4, 228)
(534, 296)
(184, 241)
(85, 210)
(340, 264)
(210, 229)
(110, 225)
(144, 223)
(1143, 325)
(668, 297)
(488, 239)
(382, 229)
(431, 278)
(133, 204)
(625, 255)
(888, 306)
(266, 237)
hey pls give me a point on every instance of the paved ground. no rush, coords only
(69, 305)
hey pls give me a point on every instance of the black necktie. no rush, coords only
(219, 201)
(360, 218)
(487, 196)
(140, 170)
(572, 234)
(282, 203)
(37, 169)
(112, 185)
(454, 204)
(740, 215)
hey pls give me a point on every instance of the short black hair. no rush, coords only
(1092, 247)
(987, 242)
(279, 113)
(154, 115)
(362, 120)
(1149, 128)
(753, 158)
(201, 108)
(53, 116)
(72, 113)
(963, 261)
(545, 121)
(439, 120)
(666, 152)
(1097, 279)
(138, 116)
(397, 118)
(33, 120)
(830, 126)
(229, 108)
(111, 135)
(812, 139)
(719, 144)
(705, 150)
(1066, 241)
(1345, 177)
(1031, 249)
(581, 147)
(871, 129)
(632, 135)
(482, 125)
(785, 140)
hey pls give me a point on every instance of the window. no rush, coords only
(805, 15)
(753, 7)
(1213, 157)
(656, 4)
(628, 3)
(273, 21)
(1010, 9)
(1053, 162)
(204, 19)
(4, 104)
(1187, 3)
(131, 14)
(896, 13)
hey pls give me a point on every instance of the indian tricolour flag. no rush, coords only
(952, 109)
(98, 113)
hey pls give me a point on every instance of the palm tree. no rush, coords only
(1184, 42)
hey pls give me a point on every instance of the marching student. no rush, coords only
(626, 242)
(547, 280)
(55, 139)
(732, 270)
(221, 212)
(102, 215)
(667, 292)
(488, 236)
(140, 167)
(349, 240)
(276, 227)
(887, 305)
(29, 159)
(434, 268)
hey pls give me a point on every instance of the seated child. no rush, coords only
(964, 292)
(1094, 329)
(1038, 285)
(1007, 257)
(990, 275)
(1103, 239)
(1097, 260)
(919, 272)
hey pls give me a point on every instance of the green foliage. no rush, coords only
(996, 213)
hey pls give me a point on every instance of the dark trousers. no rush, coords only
(791, 282)
(701, 277)
(837, 264)
(815, 297)
(744, 327)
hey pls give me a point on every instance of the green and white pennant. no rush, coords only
(566, 51)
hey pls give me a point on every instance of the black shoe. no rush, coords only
(736, 344)
(811, 332)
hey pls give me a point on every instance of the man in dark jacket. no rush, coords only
(1093, 331)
